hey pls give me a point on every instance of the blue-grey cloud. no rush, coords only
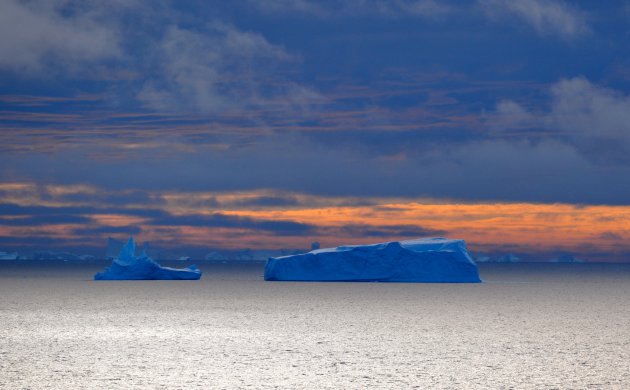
(216, 69)
(101, 230)
(10, 209)
(43, 220)
(153, 55)
(495, 169)
(288, 228)
(390, 231)
(547, 17)
(31, 242)
(59, 34)
(354, 8)
(42, 215)
(593, 119)
(266, 201)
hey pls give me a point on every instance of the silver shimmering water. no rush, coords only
(527, 326)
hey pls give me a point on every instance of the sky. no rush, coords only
(203, 125)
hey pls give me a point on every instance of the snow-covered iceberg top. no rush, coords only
(128, 266)
(425, 260)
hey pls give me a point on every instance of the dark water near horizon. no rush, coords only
(527, 326)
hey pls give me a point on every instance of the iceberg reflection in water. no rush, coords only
(128, 266)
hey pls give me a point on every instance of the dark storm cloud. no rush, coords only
(98, 231)
(288, 228)
(31, 241)
(401, 231)
(31, 244)
(41, 215)
(581, 159)
(544, 171)
(390, 143)
(41, 211)
(111, 198)
(210, 202)
(18, 210)
(42, 220)
(267, 201)
(82, 196)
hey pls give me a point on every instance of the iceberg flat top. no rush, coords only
(417, 244)
(431, 260)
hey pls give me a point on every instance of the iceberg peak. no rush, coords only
(128, 266)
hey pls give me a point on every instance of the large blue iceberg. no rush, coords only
(128, 266)
(426, 260)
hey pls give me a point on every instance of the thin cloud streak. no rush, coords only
(355, 8)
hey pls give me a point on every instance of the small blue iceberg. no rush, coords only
(425, 260)
(128, 266)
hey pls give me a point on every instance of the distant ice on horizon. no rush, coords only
(9, 256)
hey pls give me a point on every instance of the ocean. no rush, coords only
(527, 326)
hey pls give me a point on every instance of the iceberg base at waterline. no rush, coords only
(425, 260)
(127, 266)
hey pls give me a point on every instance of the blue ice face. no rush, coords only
(435, 260)
(128, 266)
